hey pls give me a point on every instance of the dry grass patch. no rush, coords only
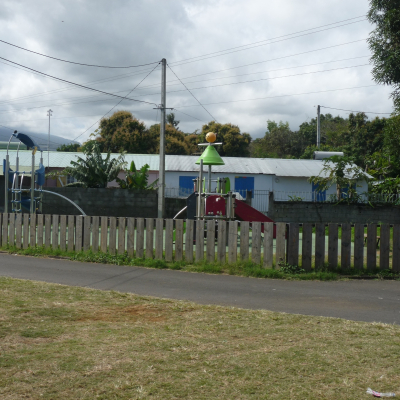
(60, 342)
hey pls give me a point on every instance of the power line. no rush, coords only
(76, 84)
(258, 80)
(194, 76)
(278, 58)
(191, 116)
(73, 62)
(205, 57)
(365, 112)
(192, 94)
(261, 72)
(274, 97)
(118, 102)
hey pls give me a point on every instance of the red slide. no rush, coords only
(245, 212)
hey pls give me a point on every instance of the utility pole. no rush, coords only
(49, 114)
(318, 127)
(161, 177)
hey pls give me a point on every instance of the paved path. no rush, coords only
(354, 300)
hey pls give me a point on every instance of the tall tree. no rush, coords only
(234, 143)
(94, 171)
(123, 132)
(384, 42)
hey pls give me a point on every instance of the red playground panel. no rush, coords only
(244, 212)
(215, 205)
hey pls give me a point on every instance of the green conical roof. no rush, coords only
(210, 156)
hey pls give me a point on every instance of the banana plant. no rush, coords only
(137, 179)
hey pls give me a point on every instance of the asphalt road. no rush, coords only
(353, 300)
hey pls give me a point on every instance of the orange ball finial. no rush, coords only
(211, 137)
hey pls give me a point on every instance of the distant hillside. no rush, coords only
(39, 138)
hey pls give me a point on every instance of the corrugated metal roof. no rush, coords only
(236, 165)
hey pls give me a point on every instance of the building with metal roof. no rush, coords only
(287, 178)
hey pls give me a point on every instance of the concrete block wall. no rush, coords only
(110, 201)
(291, 211)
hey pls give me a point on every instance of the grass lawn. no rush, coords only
(60, 342)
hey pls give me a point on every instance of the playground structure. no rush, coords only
(25, 198)
(222, 205)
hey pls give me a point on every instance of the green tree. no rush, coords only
(137, 179)
(172, 121)
(384, 43)
(123, 132)
(279, 142)
(234, 143)
(72, 147)
(93, 171)
(341, 172)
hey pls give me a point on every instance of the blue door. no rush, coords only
(243, 184)
(186, 185)
(318, 195)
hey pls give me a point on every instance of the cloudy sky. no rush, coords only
(245, 61)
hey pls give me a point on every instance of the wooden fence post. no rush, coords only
(333, 238)
(25, 236)
(71, 232)
(47, 231)
(268, 244)
(55, 233)
(63, 232)
(244, 240)
(189, 240)
(11, 232)
(396, 248)
(169, 239)
(199, 240)
(232, 242)
(104, 234)
(131, 237)
(159, 239)
(32, 230)
(18, 226)
(306, 249)
(112, 244)
(293, 244)
(149, 237)
(345, 255)
(95, 234)
(256, 243)
(139, 237)
(359, 246)
(221, 245)
(40, 218)
(280, 253)
(121, 235)
(179, 240)
(4, 235)
(210, 241)
(371, 246)
(384, 246)
(86, 232)
(319, 245)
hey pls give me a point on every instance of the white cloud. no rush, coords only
(141, 31)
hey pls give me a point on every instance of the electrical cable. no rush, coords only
(194, 76)
(191, 116)
(257, 80)
(259, 72)
(283, 95)
(76, 63)
(192, 94)
(76, 84)
(195, 59)
(118, 102)
(69, 87)
(365, 112)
